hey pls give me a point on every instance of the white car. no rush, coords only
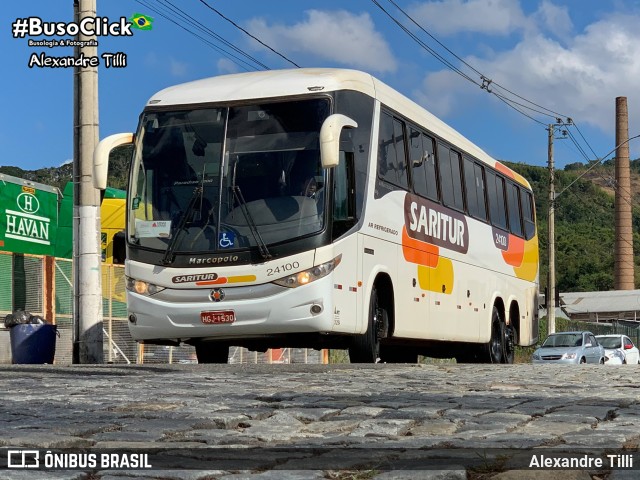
(619, 349)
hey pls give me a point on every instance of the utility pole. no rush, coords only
(551, 250)
(87, 302)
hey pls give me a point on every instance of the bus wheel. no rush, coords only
(366, 348)
(509, 344)
(494, 350)
(209, 352)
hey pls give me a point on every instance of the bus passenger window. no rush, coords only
(423, 165)
(391, 152)
(528, 214)
(474, 182)
(515, 219)
(450, 179)
(495, 190)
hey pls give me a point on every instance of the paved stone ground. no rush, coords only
(335, 422)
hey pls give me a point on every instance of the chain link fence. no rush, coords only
(45, 287)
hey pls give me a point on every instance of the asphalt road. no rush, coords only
(321, 421)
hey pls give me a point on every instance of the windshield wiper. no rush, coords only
(262, 247)
(184, 218)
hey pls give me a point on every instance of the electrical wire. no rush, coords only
(235, 59)
(486, 84)
(249, 34)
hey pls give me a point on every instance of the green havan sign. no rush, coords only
(28, 216)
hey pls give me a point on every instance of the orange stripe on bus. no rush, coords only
(514, 255)
(217, 281)
(233, 279)
(415, 251)
(511, 174)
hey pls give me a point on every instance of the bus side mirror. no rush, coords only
(101, 157)
(330, 138)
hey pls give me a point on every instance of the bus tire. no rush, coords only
(365, 348)
(494, 350)
(209, 352)
(509, 344)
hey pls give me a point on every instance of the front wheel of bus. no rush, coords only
(207, 352)
(366, 348)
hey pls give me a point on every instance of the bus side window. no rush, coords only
(497, 208)
(450, 179)
(515, 217)
(391, 152)
(423, 165)
(474, 182)
(528, 214)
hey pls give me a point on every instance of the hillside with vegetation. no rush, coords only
(59, 176)
(584, 216)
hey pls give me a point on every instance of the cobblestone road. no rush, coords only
(337, 416)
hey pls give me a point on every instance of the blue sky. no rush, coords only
(572, 57)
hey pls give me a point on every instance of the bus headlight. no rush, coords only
(142, 288)
(310, 275)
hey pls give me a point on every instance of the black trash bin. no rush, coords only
(33, 343)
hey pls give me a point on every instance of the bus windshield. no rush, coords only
(224, 179)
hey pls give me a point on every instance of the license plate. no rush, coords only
(225, 316)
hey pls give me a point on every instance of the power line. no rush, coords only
(235, 59)
(207, 30)
(249, 34)
(486, 84)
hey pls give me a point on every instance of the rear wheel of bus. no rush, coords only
(501, 346)
(208, 352)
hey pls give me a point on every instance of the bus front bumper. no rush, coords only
(263, 310)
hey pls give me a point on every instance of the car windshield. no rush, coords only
(563, 340)
(610, 342)
(224, 179)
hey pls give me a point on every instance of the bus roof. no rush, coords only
(304, 81)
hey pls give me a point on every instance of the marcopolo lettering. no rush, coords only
(212, 260)
(432, 223)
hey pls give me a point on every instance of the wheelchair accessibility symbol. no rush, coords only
(227, 239)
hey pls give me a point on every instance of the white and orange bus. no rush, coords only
(321, 208)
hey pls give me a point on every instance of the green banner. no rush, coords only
(28, 216)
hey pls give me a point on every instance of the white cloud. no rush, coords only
(176, 68)
(224, 65)
(337, 36)
(555, 19)
(580, 78)
(492, 17)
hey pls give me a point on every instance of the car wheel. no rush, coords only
(601, 362)
(583, 360)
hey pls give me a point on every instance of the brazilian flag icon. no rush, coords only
(141, 22)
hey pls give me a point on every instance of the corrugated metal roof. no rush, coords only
(601, 302)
